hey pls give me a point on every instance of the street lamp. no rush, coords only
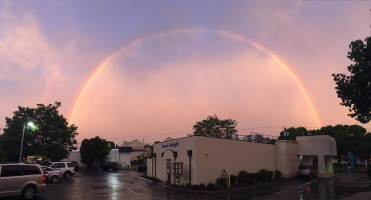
(24, 127)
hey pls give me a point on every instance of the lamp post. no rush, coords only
(24, 127)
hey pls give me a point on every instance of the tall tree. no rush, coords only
(292, 133)
(215, 127)
(52, 139)
(2, 152)
(94, 151)
(355, 89)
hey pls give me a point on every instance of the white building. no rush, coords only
(202, 159)
(138, 149)
(120, 155)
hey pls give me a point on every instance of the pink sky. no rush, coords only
(159, 87)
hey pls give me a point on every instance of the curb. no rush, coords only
(145, 179)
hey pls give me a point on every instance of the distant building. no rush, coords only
(120, 155)
(138, 148)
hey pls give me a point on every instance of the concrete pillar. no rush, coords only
(329, 166)
(321, 166)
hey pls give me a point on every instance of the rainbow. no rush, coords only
(104, 63)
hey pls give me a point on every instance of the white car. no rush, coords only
(68, 169)
(51, 174)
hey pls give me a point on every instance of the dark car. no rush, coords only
(141, 168)
(368, 171)
(306, 171)
(109, 166)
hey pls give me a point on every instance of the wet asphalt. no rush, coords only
(126, 184)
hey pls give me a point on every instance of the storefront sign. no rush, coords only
(172, 144)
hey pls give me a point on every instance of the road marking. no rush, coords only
(145, 195)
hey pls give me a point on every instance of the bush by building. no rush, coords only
(212, 186)
(277, 174)
(263, 176)
(233, 180)
(244, 178)
(220, 182)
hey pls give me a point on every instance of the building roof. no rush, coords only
(125, 149)
(168, 139)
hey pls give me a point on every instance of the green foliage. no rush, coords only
(263, 175)
(94, 151)
(212, 186)
(188, 186)
(2, 152)
(215, 127)
(355, 89)
(52, 139)
(244, 178)
(233, 180)
(220, 182)
(348, 139)
(293, 133)
(202, 186)
(195, 187)
(277, 174)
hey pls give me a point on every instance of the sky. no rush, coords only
(149, 70)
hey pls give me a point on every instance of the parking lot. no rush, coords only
(125, 184)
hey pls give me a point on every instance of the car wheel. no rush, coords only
(67, 175)
(29, 192)
(54, 179)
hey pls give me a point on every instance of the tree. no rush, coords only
(355, 89)
(292, 133)
(94, 151)
(215, 127)
(52, 139)
(2, 152)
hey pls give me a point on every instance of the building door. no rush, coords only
(168, 171)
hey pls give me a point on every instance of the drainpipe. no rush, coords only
(154, 155)
(190, 164)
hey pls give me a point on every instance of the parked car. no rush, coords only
(21, 180)
(75, 164)
(109, 166)
(52, 175)
(68, 169)
(141, 168)
(368, 171)
(306, 171)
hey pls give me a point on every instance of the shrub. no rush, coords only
(195, 187)
(233, 180)
(220, 182)
(211, 186)
(245, 178)
(188, 186)
(263, 176)
(202, 186)
(277, 174)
